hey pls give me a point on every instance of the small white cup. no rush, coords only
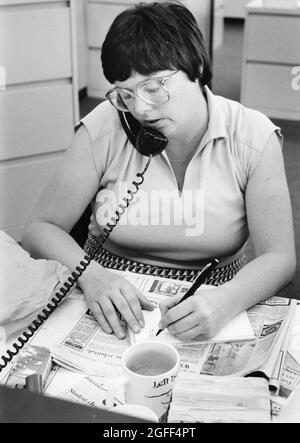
(149, 373)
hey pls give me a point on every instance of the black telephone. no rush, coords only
(147, 141)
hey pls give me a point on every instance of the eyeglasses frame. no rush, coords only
(135, 93)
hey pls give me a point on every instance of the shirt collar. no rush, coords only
(216, 117)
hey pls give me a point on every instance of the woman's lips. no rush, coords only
(151, 122)
(156, 122)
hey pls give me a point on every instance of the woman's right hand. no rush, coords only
(108, 294)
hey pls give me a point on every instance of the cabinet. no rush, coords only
(100, 15)
(271, 51)
(38, 101)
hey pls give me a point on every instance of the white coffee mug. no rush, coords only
(149, 373)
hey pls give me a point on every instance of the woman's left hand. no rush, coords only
(199, 316)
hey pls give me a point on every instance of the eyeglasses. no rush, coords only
(150, 91)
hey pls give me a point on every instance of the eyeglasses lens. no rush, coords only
(151, 92)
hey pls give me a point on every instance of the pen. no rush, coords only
(206, 271)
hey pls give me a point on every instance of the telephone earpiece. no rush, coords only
(147, 141)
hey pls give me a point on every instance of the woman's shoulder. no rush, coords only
(248, 126)
(248, 132)
(101, 121)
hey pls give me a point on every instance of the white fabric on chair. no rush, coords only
(26, 286)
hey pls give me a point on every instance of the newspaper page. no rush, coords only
(88, 349)
(289, 370)
(269, 320)
(75, 387)
(289, 381)
(91, 391)
(281, 358)
(78, 343)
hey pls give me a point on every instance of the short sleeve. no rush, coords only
(103, 126)
(252, 135)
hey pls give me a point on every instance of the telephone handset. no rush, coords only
(147, 141)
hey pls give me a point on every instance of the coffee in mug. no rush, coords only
(150, 363)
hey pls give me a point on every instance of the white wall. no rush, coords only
(81, 43)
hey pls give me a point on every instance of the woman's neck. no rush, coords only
(192, 135)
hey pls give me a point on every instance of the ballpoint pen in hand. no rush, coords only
(206, 271)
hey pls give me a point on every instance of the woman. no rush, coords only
(220, 178)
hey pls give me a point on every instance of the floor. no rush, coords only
(227, 67)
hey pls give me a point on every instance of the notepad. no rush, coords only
(238, 329)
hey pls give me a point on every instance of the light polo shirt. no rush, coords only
(161, 225)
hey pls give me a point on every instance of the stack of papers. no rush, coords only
(206, 399)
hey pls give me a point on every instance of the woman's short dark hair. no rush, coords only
(153, 37)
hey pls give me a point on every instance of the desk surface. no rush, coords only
(19, 406)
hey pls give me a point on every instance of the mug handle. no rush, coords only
(113, 390)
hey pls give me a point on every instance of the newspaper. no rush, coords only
(80, 345)
(87, 348)
(289, 381)
(74, 387)
(270, 321)
(288, 368)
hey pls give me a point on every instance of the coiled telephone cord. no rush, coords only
(72, 280)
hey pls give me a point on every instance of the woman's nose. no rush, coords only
(140, 106)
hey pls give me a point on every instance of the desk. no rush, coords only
(58, 319)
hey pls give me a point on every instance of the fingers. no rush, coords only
(172, 311)
(98, 314)
(192, 334)
(123, 299)
(110, 298)
(186, 327)
(132, 311)
(193, 318)
(145, 303)
(129, 306)
(165, 305)
(110, 317)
